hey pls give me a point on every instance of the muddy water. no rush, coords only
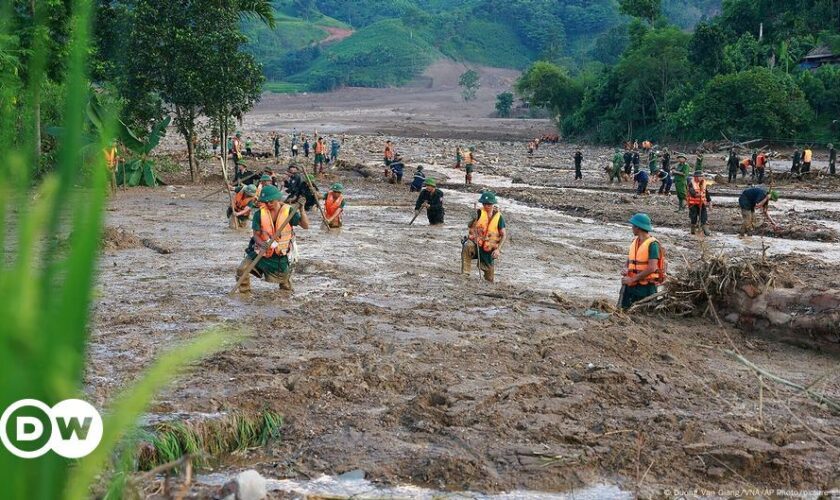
(339, 487)
(386, 359)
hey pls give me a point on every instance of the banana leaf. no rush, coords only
(158, 131)
(149, 176)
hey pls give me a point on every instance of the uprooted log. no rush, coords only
(751, 291)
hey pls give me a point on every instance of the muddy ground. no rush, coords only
(386, 359)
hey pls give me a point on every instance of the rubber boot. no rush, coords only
(245, 286)
(706, 230)
(490, 274)
(466, 258)
(285, 282)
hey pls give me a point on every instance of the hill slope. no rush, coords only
(396, 39)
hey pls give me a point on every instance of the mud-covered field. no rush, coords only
(387, 360)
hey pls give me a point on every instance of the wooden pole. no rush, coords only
(315, 194)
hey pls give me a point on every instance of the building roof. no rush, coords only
(820, 52)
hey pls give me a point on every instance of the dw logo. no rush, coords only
(72, 428)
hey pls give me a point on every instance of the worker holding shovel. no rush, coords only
(267, 255)
(430, 198)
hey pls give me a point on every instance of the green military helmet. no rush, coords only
(698, 171)
(337, 187)
(488, 198)
(239, 134)
(265, 178)
(430, 182)
(774, 195)
(270, 193)
(642, 221)
(472, 148)
(250, 189)
(682, 157)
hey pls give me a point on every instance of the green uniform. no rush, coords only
(618, 161)
(681, 181)
(276, 264)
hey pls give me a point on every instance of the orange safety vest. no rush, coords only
(647, 145)
(268, 229)
(468, 157)
(241, 200)
(111, 157)
(760, 160)
(806, 157)
(637, 261)
(746, 162)
(700, 189)
(389, 153)
(333, 203)
(485, 231)
(319, 148)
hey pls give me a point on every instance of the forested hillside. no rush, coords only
(736, 74)
(509, 34)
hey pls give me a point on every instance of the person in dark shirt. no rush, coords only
(752, 198)
(628, 162)
(666, 181)
(832, 159)
(732, 166)
(432, 198)
(641, 181)
(307, 193)
(243, 176)
(666, 160)
(293, 183)
(795, 164)
(578, 160)
(636, 160)
(419, 179)
(397, 168)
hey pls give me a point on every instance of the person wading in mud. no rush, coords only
(699, 200)
(320, 155)
(469, 158)
(615, 173)
(432, 198)
(485, 238)
(274, 267)
(388, 154)
(418, 180)
(680, 175)
(832, 159)
(243, 202)
(645, 263)
(750, 199)
(334, 205)
(578, 161)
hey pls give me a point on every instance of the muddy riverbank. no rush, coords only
(385, 359)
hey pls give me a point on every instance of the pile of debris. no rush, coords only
(751, 291)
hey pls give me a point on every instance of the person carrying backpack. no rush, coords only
(646, 266)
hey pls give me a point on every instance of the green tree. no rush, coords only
(204, 73)
(547, 85)
(705, 50)
(504, 102)
(469, 83)
(755, 103)
(649, 10)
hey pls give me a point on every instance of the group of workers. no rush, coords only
(275, 216)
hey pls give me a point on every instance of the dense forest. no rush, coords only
(509, 34)
(737, 74)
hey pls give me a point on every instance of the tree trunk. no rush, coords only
(191, 155)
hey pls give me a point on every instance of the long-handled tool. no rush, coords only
(233, 223)
(260, 255)
(416, 213)
(240, 181)
(315, 195)
(621, 296)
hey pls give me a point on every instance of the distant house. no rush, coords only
(819, 56)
